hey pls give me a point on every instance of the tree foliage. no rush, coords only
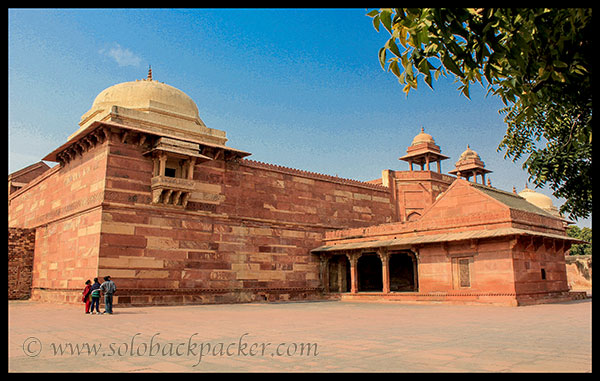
(583, 234)
(538, 61)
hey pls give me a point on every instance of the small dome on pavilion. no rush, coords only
(469, 154)
(422, 137)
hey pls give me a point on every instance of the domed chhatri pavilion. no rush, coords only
(145, 192)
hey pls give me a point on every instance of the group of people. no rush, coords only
(91, 295)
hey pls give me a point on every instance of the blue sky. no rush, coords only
(301, 88)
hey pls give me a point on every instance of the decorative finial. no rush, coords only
(489, 182)
(422, 129)
(149, 73)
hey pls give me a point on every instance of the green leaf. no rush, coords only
(449, 64)
(402, 80)
(391, 45)
(560, 64)
(394, 68)
(402, 35)
(373, 13)
(464, 89)
(428, 81)
(386, 18)
(376, 22)
(382, 57)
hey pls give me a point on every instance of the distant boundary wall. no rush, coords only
(21, 246)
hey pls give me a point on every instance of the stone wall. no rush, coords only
(21, 244)
(245, 234)
(579, 272)
(64, 206)
(539, 266)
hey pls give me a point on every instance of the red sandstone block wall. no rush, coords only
(66, 252)
(64, 208)
(247, 226)
(256, 190)
(490, 267)
(166, 250)
(530, 257)
(60, 192)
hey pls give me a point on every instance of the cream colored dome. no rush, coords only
(137, 95)
(149, 104)
(540, 200)
(422, 137)
(469, 154)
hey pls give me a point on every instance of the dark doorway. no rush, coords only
(339, 274)
(370, 273)
(402, 272)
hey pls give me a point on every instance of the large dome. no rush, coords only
(150, 104)
(137, 95)
(537, 199)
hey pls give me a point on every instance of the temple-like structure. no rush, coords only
(145, 192)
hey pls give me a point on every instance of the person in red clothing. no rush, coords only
(86, 295)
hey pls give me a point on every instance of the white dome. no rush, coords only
(137, 95)
(540, 200)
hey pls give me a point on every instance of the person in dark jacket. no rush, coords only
(95, 296)
(108, 287)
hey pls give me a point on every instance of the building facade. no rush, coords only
(145, 192)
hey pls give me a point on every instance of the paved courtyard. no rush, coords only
(302, 337)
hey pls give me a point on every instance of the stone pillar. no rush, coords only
(341, 275)
(324, 262)
(162, 158)
(415, 269)
(385, 269)
(191, 163)
(156, 169)
(353, 258)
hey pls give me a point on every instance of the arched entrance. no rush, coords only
(403, 272)
(369, 269)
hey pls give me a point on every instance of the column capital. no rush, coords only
(383, 254)
(353, 257)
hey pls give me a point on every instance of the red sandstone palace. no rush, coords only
(146, 193)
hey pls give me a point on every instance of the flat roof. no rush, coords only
(406, 242)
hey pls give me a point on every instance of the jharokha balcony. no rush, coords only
(171, 190)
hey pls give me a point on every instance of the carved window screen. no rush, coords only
(464, 274)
